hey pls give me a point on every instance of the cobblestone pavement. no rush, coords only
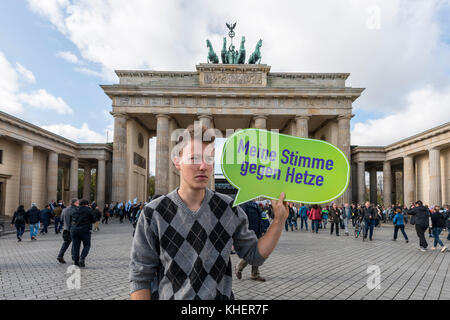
(303, 266)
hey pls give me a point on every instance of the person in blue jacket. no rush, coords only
(303, 214)
(45, 215)
(399, 224)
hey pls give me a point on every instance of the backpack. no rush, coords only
(20, 217)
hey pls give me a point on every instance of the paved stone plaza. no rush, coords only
(304, 266)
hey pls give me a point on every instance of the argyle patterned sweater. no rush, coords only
(189, 252)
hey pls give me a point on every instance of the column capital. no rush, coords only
(408, 156)
(260, 116)
(436, 148)
(207, 116)
(345, 116)
(120, 115)
(27, 144)
(162, 115)
(302, 117)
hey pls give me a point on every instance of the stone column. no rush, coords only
(101, 181)
(260, 122)
(108, 181)
(354, 182)
(26, 176)
(52, 176)
(434, 156)
(361, 182)
(119, 166)
(65, 186)
(344, 145)
(172, 176)
(387, 184)
(207, 121)
(373, 185)
(301, 126)
(408, 180)
(87, 183)
(162, 154)
(73, 189)
(399, 195)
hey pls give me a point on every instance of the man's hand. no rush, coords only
(280, 208)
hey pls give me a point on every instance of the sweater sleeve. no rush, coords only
(245, 241)
(145, 263)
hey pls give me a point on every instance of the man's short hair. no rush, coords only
(73, 201)
(419, 203)
(84, 202)
(189, 135)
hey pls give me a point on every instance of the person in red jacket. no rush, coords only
(315, 215)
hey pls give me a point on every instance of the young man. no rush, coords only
(67, 222)
(183, 240)
(369, 214)
(80, 231)
(421, 221)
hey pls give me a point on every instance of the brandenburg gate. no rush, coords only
(221, 96)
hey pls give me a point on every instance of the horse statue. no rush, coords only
(241, 56)
(256, 55)
(212, 56)
(224, 51)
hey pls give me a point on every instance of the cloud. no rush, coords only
(9, 86)
(401, 51)
(26, 74)
(425, 108)
(395, 49)
(41, 99)
(89, 72)
(12, 98)
(80, 135)
(53, 9)
(68, 56)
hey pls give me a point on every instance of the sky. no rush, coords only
(54, 54)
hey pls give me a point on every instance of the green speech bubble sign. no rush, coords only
(261, 163)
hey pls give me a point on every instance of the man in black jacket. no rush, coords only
(369, 214)
(421, 221)
(66, 217)
(82, 220)
(255, 223)
(33, 218)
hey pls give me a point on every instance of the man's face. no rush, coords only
(367, 204)
(196, 164)
(77, 204)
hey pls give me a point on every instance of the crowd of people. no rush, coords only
(364, 218)
(75, 222)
